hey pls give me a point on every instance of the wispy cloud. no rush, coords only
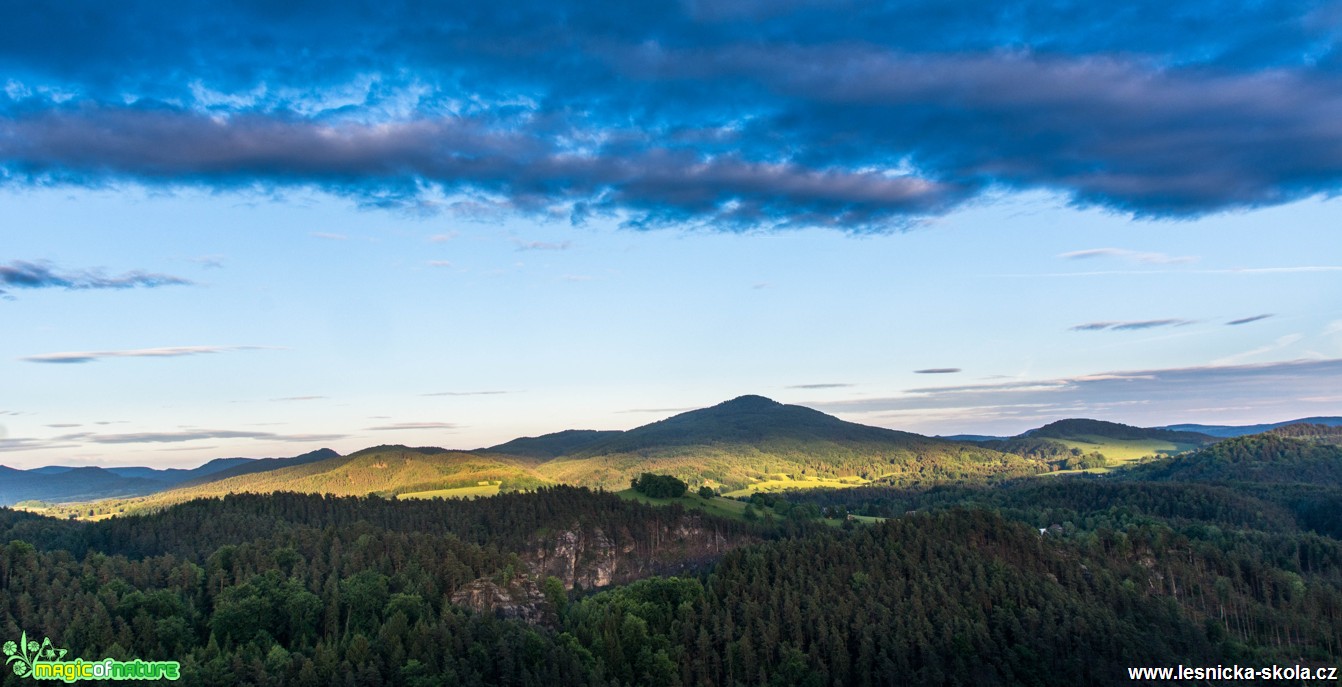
(937, 371)
(465, 393)
(543, 245)
(410, 426)
(20, 274)
(443, 238)
(1137, 256)
(209, 262)
(328, 236)
(1249, 271)
(439, 263)
(1130, 326)
(75, 357)
(17, 444)
(1247, 320)
(1148, 397)
(298, 398)
(823, 385)
(1278, 344)
(193, 435)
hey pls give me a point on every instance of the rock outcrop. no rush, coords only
(594, 557)
(518, 599)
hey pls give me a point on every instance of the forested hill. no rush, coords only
(384, 470)
(1257, 458)
(750, 438)
(262, 465)
(1080, 428)
(61, 483)
(555, 444)
(304, 590)
(751, 420)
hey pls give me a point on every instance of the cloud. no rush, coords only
(328, 236)
(727, 115)
(209, 262)
(409, 426)
(193, 435)
(1213, 393)
(543, 245)
(165, 352)
(20, 274)
(16, 444)
(299, 398)
(937, 371)
(439, 263)
(1148, 258)
(466, 393)
(1248, 271)
(1247, 320)
(825, 385)
(1280, 343)
(443, 238)
(1130, 326)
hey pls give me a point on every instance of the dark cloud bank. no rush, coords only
(19, 274)
(733, 114)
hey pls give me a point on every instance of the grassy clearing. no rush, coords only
(726, 508)
(784, 483)
(1120, 451)
(863, 519)
(475, 492)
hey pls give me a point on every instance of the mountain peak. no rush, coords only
(750, 401)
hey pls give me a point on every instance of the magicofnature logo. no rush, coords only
(43, 661)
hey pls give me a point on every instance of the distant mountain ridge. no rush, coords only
(749, 440)
(1227, 431)
(737, 443)
(65, 484)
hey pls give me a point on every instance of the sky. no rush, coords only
(255, 229)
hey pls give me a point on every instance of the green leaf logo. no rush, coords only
(22, 655)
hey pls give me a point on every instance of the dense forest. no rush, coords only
(1044, 581)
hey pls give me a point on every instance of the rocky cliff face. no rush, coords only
(519, 599)
(594, 557)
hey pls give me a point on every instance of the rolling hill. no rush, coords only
(69, 484)
(554, 445)
(752, 440)
(62, 484)
(740, 446)
(1074, 443)
(1268, 458)
(383, 470)
(747, 444)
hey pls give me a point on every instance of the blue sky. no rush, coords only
(248, 231)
